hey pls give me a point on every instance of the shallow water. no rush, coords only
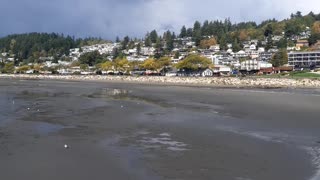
(127, 131)
(7, 106)
(47, 128)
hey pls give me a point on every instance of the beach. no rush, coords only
(123, 129)
(235, 82)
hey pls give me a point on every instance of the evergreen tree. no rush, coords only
(196, 34)
(117, 39)
(205, 28)
(147, 41)
(138, 49)
(125, 42)
(314, 38)
(91, 58)
(311, 14)
(26, 46)
(158, 45)
(153, 36)
(269, 43)
(298, 14)
(177, 55)
(223, 42)
(196, 26)
(283, 43)
(236, 46)
(183, 32)
(174, 35)
(197, 37)
(280, 58)
(268, 31)
(189, 32)
(169, 40)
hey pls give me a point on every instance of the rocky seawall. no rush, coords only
(254, 82)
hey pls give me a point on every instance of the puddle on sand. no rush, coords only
(110, 93)
(165, 134)
(41, 94)
(47, 128)
(162, 141)
(126, 95)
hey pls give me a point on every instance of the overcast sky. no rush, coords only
(109, 18)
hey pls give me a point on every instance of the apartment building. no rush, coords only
(304, 59)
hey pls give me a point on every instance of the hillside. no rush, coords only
(224, 32)
(269, 34)
(31, 46)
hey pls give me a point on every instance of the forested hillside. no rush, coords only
(31, 46)
(224, 32)
(35, 45)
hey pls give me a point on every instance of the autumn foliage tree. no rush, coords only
(106, 66)
(23, 69)
(150, 64)
(164, 61)
(8, 68)
(243, 35)
(315, 33)
(316, 27)
(206, 43)
(121, 64)
(193, 63)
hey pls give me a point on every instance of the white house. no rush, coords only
(147, 51)
(254, 65)
(261, 49)
(241, 54)
(10, 59)
(222, 69)
(137, 58)
(216, 59)
(215, 48)
(253, 47)
(207, 73)
(230, 51)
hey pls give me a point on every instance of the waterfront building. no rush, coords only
(304, 59)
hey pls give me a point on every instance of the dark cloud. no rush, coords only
(109, 18)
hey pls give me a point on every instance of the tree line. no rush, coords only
(225, 32)
(30, 46)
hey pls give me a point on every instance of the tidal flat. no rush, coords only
(145, 132)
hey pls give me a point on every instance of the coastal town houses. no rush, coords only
(253, 55)
(107, 48)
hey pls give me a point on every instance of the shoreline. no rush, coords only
(225, 82)
(219, 124)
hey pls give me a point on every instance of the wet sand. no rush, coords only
(144, 132)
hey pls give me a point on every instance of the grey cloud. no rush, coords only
(109, 18)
